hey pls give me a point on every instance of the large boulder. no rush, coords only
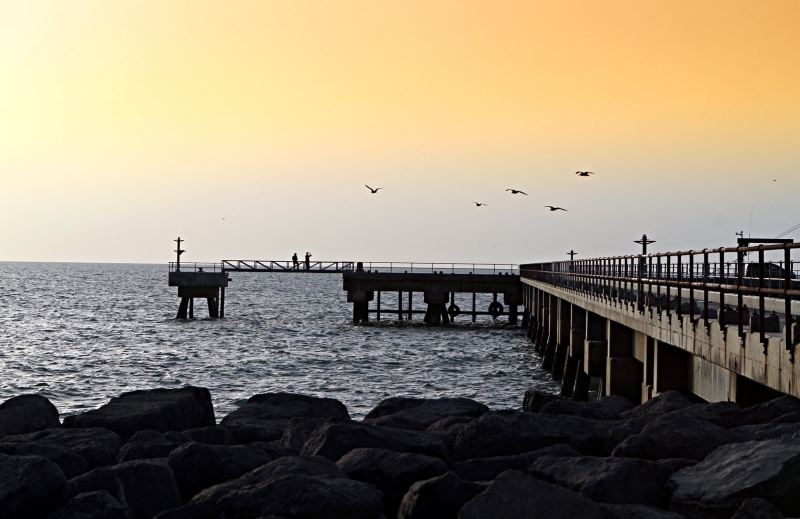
(437, 498)
(501, 433)
(204, 504)
(98, 447)
(197, 466)
(767, 431)
(147, 444)
(299, 430)
(635, 512)
(335, 439)
(515, 495)
(724, 414)
(606, 480)
(535, 399)
(263, 417)
(158, 409)
(757, 509)
(775, 408)
(607, 408)
(688, 437)
(145, 487)
(486, 469)
(418, 414)
(30, 487)
(717, 487)
(660, 404)
(92, 505)
(26, 414)
(642, 446)
(392, 473)
(67, 460)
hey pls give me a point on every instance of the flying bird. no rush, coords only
(374, 190)
(555, 208)
(515, 191)
(584, 173)
(478, 204)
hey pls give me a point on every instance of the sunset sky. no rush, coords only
(125, 124)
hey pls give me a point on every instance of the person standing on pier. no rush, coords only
(294, 260)
(308, 261)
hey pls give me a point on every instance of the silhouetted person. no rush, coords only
(308, 261)
(294, 260)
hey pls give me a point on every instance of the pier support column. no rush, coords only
(222, 302)
(212, 307)
(543, 320)
(671, 369)
(191, 308)
(595, 347)
(512, 301)
(360, 302)
(183, 308)
(577, 337)
(437, 308)
(624, 374)
(564, 309)
(551, 341)
(643, 351)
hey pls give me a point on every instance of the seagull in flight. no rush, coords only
(515, 191)
(555, 208)
(478, 204)
(584, 173)
(374, 190)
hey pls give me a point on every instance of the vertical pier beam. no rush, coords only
(542, 320)
(595, 347)
(564, 310)
(378, 313)
(513, 301)
(549, 354)
(400, 306)
(222, 303)
(191, 308)
(410, 295)
(474, 315)
(577, 338)
(437, 310)
(360, 300)
(624, 374)
(212, 307)
(183, 308)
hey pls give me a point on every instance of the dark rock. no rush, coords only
(501, 433)
(534, 400)
(204, 504)
(515, 495)
(635, 512)
(768, 411)
(724, 414)
(673, 465)
(263, 418)
(606, 480)
(717, 486)
(335, 439)
(299, 430)
(392, 473)
(486, 469)
(211, 435)
(393, 405)
(304, 496)
(92, 505)
(642, 446)
(25, 414)
(787, 418)
(98, 447)
(197, 466)
(420, 416)
(757, 509)
(447, 424)
(148, 444)
(159, 409)
(663, 403)
(767, 431)
(30, 487)
(437, 498)
(68, 461)
(688, 437)
(145, 487)
(607, 408)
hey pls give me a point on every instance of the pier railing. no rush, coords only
(286, 266)
(441, 268)
(651, 281)
(194, 267)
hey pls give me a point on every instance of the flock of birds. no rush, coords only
(513, 192)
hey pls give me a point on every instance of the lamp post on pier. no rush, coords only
(179, 251)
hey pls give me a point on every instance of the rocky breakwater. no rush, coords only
(160, 454)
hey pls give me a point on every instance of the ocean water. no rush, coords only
(80, 334)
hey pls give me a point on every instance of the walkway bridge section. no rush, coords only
(720, 324)
(439, 283)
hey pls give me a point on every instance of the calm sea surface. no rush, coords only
(80, 334)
